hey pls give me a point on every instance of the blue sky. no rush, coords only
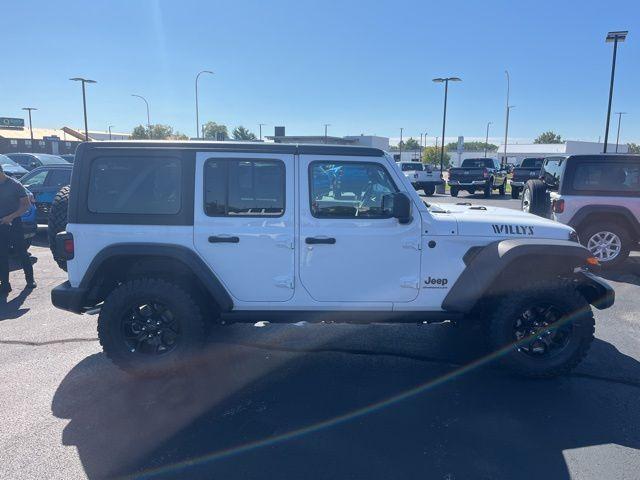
(363, 67)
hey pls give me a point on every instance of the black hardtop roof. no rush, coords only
(249, 147)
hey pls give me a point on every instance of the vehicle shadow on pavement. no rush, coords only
(346, 402)
(628, 272)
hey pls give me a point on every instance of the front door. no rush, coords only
(351, 249)
(244, 222)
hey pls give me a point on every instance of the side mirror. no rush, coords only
(398, 205)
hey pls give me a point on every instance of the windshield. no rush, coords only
(477, 163)
(532, 163)
(6, 161)
(51, 159)
(409, 167)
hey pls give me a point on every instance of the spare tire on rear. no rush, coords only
(58, 222)
(535, 198)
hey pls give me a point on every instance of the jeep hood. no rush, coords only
(487, 221)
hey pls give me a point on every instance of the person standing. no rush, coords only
(14, 201)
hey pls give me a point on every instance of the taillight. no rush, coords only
(65, 246)
(485, 173)
(558, 205)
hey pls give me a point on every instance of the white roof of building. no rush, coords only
(533, 148)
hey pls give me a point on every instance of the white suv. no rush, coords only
(165, 238)
(598, 195)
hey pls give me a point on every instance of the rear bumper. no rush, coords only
(516, 183)
(474, 183)
(597, 292)
(66, 297)
(427, 182)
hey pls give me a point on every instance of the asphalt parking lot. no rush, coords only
(314, 401)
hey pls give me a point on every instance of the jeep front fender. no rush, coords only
(491, 261)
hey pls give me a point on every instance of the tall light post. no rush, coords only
(444, 115)
(260, 125)
(486, 140)
(109, 128)
(400, 144)
(84, 102)
(506, 125)
(29, 109)
(148, 117)
(618, 135)
(197, 111)
(614, 37)
(326, 125)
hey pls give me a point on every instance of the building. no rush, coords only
(359, 140)
(15, 137)
(517, 152)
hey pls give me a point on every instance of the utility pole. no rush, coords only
(84, 102)
(260, 125)
(506, 126)
(486, 140)
(29, 109)
(110, 131)
(197, 112)
(148, 117)
(400, 144)
(618, 135)
(326, 125)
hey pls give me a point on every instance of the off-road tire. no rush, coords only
(502, 188)
(611, 226)
(58, 222)
(539, 203)
(453, 191)
(515, 192)
(429, 190)
(576, 310)
(148, 290)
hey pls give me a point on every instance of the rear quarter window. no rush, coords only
(616, 178)
(130, 185)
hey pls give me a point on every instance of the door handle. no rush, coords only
(223, 239)
(320, 240)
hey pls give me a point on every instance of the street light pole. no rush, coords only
(84, 103)
(618, 135)
(486, 140)
(197, 112)
(614, 37)
(148, 117)
(260, 125)
(29, 109)
(506, 126)
(444, 115)
(109, 128)
(400, 144)
(326, 125)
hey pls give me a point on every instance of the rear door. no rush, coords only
(351, 250)
(244, 222)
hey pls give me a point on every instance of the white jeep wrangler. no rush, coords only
(164, 238)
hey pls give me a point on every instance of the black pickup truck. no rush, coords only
(485, 174)
(527, 170)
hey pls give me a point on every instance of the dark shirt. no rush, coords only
(11, 191)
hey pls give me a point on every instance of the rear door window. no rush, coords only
(58, 178)
(135, 185)
(239, 187)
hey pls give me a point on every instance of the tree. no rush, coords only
(157, 132)
(548, 137)
(215, 131)
(432, 155)
(471, 147)
(241, 133)
(411, 145)
(633, 148)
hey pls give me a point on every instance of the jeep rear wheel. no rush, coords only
(150, 326)
(542, 331)
(609, 242)
(58, 222)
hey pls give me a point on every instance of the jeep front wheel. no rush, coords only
(150, 326)
(542, 331)
(609, 242)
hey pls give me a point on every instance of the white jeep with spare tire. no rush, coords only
(167, 238)
(598, 195)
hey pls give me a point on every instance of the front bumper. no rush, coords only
(597, 292)
(66, 297)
